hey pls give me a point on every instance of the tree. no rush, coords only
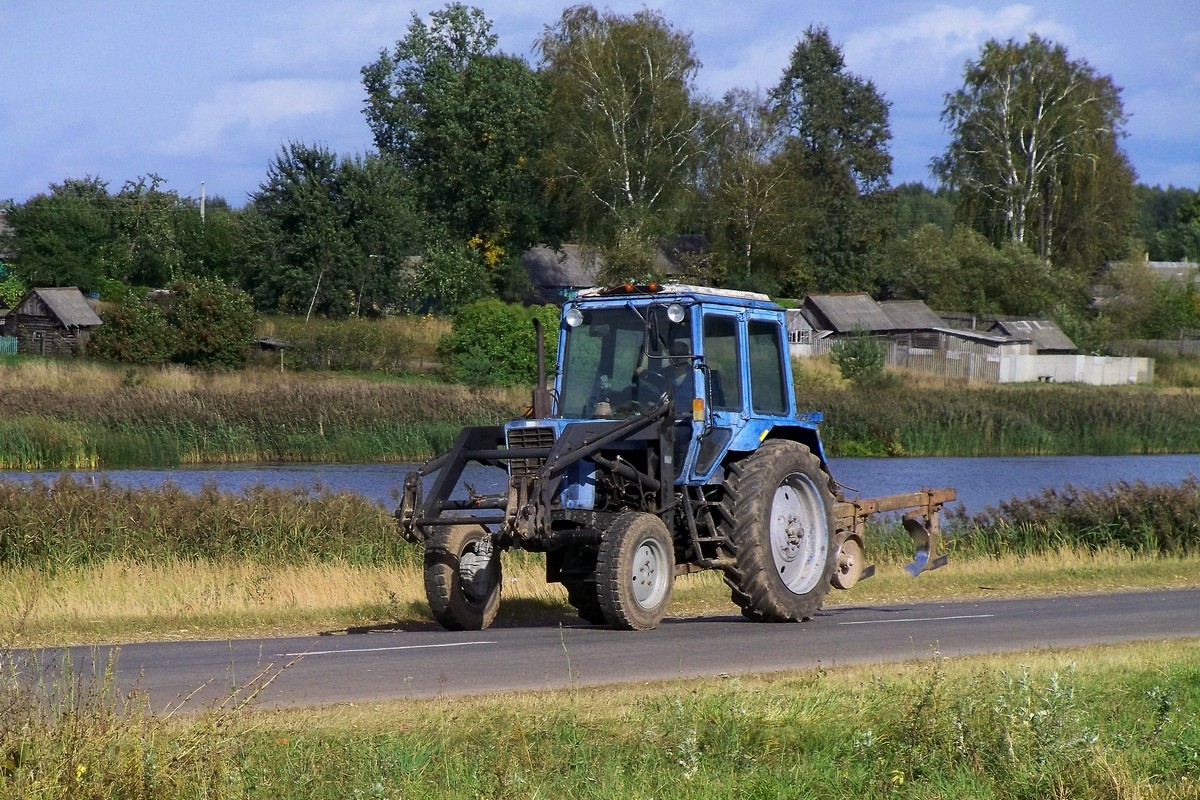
(446, 278)
(917, 205)
(145, 219)
(1169, 223)
(330, 234)
(837, 148)
(963, 271)
(625, 132)
(64, 238)
(860, 358)
(312, 253)
(742, 180)
(465, 122)
(214, 323)
(1034, 152)
(1144, 305)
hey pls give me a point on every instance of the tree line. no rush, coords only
(605, 141)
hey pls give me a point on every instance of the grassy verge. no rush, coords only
(83, 563)
(130, 600)
(1115, 722)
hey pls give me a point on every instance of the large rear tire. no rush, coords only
(783, 536)
(462, 577)
(635, 571)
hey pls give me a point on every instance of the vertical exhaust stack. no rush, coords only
(541, 395)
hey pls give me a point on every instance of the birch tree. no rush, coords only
(624, 126)
(744, 179)
(1033, 135)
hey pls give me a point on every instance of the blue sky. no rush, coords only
(209, 91)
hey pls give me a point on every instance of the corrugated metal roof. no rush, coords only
(1045, 333)
(66, 303)
(911, 315)
(847, 313)
(567, 268)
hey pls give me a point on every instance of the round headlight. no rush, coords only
(675, 312)
(574, 317)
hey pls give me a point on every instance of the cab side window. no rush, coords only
(767, 395)
(720, 354)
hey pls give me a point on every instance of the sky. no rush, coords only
(206, 93)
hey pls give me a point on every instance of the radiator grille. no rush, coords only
(521, 438)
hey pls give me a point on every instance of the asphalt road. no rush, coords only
(389, 664)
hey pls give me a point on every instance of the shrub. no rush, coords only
(204, 323)
(12, 289)
(135, 332)
(215, 323)
(493, 343)
(860, 358)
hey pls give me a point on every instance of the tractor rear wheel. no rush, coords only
(462, 576)
(783, 536)
(635, 571)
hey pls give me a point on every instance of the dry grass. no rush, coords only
(87, 377)
(125, 600)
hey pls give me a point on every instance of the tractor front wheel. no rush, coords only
(783, 534)
(635, 571)
(462, 576)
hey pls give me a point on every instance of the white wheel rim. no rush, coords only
(799, 534)
(649, 574)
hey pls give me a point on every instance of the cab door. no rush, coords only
(723, 390)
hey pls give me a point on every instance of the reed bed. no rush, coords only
(286, 421)
(66, 523)
(1161, 520)
(98, 421)
(1021, 420)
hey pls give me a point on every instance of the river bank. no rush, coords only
(265, 417)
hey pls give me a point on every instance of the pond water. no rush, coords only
(979, 481)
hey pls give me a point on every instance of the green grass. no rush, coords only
(1102, 722)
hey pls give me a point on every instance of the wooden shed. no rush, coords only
(52, 322)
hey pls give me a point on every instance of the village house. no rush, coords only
(52, 322)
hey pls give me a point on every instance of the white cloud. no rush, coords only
(258, 107)
(932, 46)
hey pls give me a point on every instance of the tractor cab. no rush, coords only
(717, 357)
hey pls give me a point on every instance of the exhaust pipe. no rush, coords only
(541, 395)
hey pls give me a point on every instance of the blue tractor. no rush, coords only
(668, 443)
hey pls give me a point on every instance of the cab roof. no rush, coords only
(668, 289)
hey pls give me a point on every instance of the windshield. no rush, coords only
(609, 368)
